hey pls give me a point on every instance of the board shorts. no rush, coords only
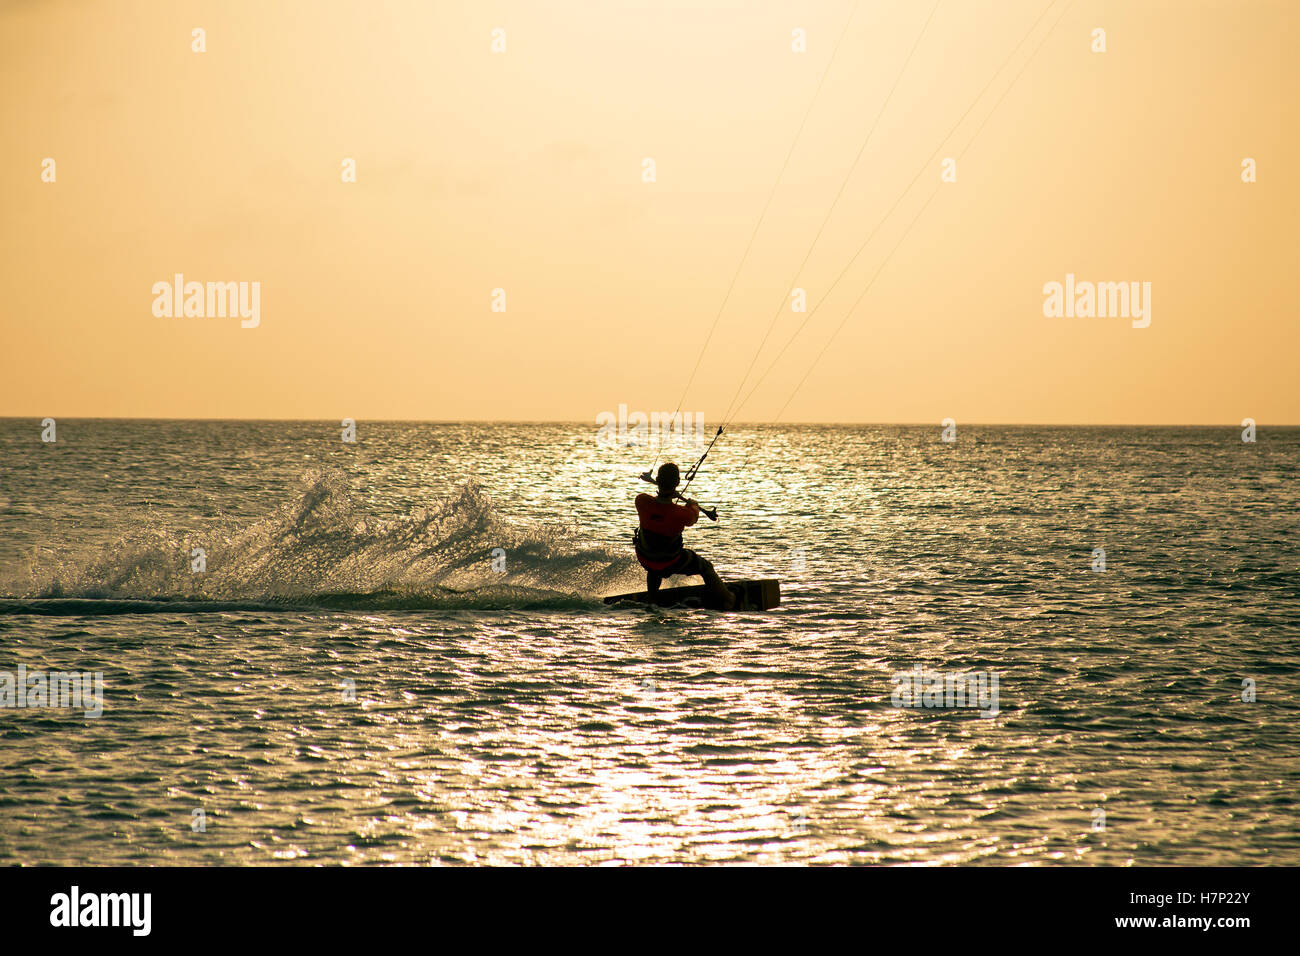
(687, 563)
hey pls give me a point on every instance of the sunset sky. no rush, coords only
(523, 170)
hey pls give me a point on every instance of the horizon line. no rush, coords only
(594, 424)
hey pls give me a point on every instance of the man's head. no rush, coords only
(668, 478)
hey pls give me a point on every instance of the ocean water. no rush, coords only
(396, 651)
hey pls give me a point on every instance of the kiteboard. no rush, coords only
(760, 595)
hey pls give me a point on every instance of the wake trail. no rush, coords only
(324, 550)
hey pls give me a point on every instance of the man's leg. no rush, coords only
(652, 580)
(720, 590)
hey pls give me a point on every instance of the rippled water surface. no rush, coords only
(351, 680)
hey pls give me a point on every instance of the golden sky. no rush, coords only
(523, 170)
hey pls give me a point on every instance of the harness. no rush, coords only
(656, 551)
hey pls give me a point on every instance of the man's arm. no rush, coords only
(693, 507)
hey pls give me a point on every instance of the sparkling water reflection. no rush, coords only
(510, 718)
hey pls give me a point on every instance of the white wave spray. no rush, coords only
(324, 549)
